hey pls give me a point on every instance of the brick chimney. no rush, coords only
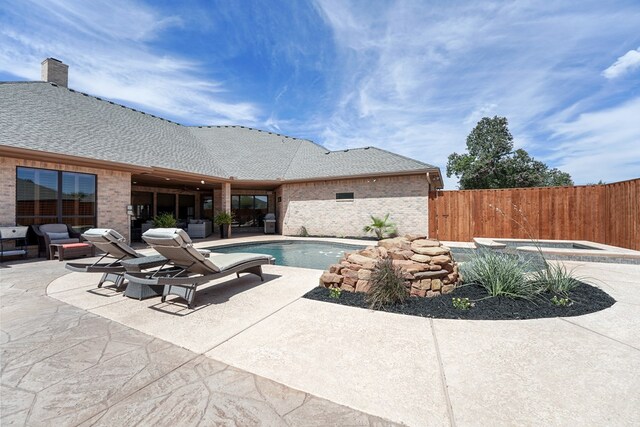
(55, 71)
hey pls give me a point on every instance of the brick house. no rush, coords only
(66, 156)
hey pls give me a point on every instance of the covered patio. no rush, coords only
(192, 198)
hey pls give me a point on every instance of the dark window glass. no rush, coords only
(166, 203)
(78, 195)
(47, 196)
(261, 202)
(206, 209)
(36, 196)
(142, 202)
(246, 202)
(249, 211)
(344, 196)
(187, 206)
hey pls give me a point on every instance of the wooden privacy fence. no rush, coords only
(606, 214)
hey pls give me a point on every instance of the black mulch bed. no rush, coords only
(585, 299)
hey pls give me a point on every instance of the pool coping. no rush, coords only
(270, 238)
(602, 251)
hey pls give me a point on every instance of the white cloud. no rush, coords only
(410, 77)
(627, 63)
(107, 47)
(602, 144)
(415, 78)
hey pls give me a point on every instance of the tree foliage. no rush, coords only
(491, 161)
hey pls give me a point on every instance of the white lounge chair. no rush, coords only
(114, 245)
(190, 267)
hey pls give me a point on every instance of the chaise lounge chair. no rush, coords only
(190, 267)
(113, 245)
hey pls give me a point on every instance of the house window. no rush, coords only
(249, 210)
(142, 202)
(46, 196)
(186, 206)
(206, 207)
(166, 203)
(344, 196)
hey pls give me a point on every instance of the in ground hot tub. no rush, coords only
(564, 250)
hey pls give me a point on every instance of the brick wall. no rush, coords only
(114, 192)
(313, 205)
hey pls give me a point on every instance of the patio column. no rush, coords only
(226, 197)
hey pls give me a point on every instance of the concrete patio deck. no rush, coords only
(575, 371)
(65, 366)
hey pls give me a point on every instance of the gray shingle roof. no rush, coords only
(41, 116)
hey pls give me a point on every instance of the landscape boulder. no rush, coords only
(427, 266)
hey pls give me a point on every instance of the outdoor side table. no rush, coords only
(141, 291)
(71, 250)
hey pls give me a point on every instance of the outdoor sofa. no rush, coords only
(58, 234)
(190, 268)
(199, 228)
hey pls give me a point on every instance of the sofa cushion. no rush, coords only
(75, 245)
(63, 241)
(58, 236)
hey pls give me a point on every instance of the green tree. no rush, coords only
(491, 161)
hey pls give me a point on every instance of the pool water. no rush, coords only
(545, 245)
(317, 255)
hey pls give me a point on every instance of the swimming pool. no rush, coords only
(304, 254)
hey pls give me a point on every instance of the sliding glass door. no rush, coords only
(249, 210)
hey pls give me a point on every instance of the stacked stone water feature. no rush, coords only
(427, 266)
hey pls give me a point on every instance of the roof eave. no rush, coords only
(436, 180)
(46, 156)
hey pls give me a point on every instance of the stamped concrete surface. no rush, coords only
(224, 307)
(574, 371)
(62, 365)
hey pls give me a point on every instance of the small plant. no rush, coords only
(335, 292)
(561, 302)
(303, 232)
(499, 274)
(387, 285)
(164, 220)
(380, 226)
(461, 303)
(555, 278)
(223, 218)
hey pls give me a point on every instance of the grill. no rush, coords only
(269, 224)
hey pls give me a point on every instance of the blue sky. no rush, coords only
(412, 77)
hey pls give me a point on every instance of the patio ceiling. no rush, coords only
(178, 181)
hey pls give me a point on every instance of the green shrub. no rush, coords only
(387, 285)
(500, 274)
(561, 302)
(461, 303)
(555, 278)
(164, 220)
(223, 218)
(380, 226)
(335, 292)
